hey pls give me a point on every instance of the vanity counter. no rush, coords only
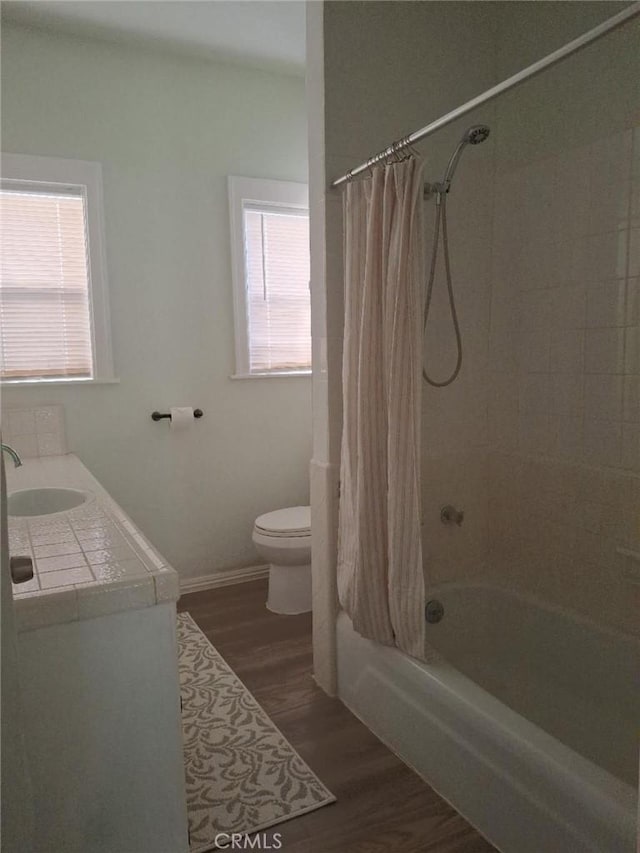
(88, 561)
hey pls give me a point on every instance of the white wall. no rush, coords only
(585, 97)
(168, 130)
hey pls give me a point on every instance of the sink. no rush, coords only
(44, 501)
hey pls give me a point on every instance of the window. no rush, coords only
(53, 307)
(270, 254)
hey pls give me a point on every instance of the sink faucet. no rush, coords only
(12, 453)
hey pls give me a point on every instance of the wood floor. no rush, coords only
(383, 806)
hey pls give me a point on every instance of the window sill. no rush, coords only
(271, 374)
(38, 383)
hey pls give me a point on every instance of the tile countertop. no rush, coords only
(88, 561)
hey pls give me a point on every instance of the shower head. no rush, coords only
(476, 134)
(473, 135)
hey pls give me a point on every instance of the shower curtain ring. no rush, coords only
(411, 147)
(394, 154)
(408, 147)
(405, 150)
(388, 159)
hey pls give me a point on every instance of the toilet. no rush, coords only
(283, 539)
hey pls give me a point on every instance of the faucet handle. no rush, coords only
(450, 515)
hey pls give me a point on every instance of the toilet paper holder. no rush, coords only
(158, 416)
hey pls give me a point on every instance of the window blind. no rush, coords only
(277, 282)
(44, 285)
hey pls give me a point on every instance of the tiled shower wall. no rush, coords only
(564, 414)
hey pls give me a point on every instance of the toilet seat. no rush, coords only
(290, 523)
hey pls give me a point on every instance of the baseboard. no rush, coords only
(223, 578)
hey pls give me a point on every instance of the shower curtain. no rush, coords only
(380, 580)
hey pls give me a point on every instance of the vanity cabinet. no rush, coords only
(101, 707)
(98, 670)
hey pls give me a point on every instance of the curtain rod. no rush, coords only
(623, 17)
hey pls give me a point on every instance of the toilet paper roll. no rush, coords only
(181, 417)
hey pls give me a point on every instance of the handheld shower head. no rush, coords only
(476, 134)
(473, 135)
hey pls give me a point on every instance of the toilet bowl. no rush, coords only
(283, 539)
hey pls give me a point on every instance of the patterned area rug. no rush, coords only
(242, 774)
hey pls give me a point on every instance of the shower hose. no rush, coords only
(441, 217)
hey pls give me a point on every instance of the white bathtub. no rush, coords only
(528, 729)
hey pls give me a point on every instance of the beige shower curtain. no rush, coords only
(380, 580)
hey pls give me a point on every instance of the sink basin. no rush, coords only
(44, 501)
